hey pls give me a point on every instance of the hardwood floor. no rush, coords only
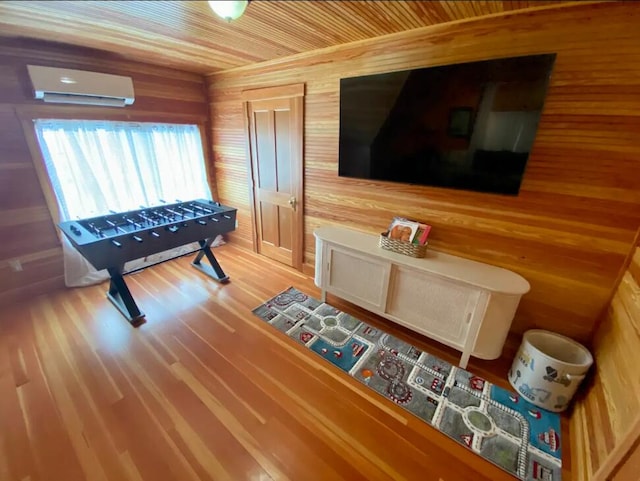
(203, 390)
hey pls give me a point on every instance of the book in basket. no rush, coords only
(403, 230)
(406, 230)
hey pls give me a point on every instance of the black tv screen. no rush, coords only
(465, 126)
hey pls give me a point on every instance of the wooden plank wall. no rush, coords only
(26, 227)
(605, 422)
(568, 231)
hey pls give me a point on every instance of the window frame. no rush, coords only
(28, 114)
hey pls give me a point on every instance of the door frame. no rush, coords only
(295, 92)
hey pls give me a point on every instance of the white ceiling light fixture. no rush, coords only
(229, 9)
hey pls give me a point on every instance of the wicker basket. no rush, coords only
(406, 248)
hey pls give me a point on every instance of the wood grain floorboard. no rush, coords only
(204, 390)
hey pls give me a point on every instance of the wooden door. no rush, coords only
(275, 130)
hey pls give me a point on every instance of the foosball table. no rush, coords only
(109, 241)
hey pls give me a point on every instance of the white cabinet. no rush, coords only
(412, 301)
(360, 279)
(464, 304)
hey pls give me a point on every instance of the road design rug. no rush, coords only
(494, 423)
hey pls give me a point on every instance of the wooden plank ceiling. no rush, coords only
(188, 36)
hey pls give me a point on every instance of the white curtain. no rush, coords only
(98, 167)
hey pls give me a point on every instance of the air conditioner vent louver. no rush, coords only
(59, 85)
(83, 100)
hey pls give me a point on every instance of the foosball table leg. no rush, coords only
(214, 270)
(121, 297)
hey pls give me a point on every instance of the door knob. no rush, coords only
(293, 202)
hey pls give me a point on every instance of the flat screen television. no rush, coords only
(464, 126)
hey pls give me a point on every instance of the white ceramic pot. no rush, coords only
(548, 369)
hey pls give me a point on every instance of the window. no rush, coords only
(97, 166)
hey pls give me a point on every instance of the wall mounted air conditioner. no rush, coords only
(63, 85)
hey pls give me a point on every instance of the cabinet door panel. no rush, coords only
(433, 305)
(360, 279)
